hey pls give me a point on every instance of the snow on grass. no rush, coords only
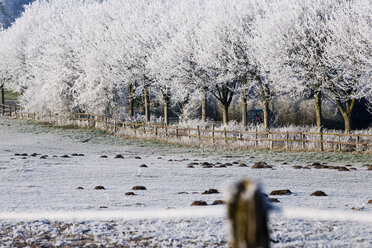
(31, 184)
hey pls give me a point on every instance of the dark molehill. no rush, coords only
(119, 156)
(143, 166)
(24, 154)
(218, 202)
(102, 207)
(348, 165)
(43, 157)
(103, 156)
(190, 166)
(182, 193)
(24, 158)
(129, 194)
(207, 166)
(343, 169)
(273, 200)
(170, 160)
(284, 163)
(193, 163)
(281, 192)
(242, 165)
(370, 202)
(316, 164)
(210, 191)
(199, 203)
(17, 154)
(352, 168)
(221, 166)
(99, 188)
(306, 168)
(318, 193)
(236, 162)
(79, 188)
(297, 167)
(81, 155)
(205, 163)
(75, 155)
(259, 165)
(227, 164)
(139, 188)
(33, 154)
(369, 167)
(137, 157)
(65, 156)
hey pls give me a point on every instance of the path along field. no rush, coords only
(31, 184)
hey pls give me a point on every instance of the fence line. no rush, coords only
(257, 139)
(195, 212)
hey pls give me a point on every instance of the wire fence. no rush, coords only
(195, 212)
(212, 135)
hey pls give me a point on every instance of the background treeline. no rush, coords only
(109, 57)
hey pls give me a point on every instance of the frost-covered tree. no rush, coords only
(10, 10)
(348, 52)
(291, 40)
(173, 65)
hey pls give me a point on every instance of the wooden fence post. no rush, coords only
(225, 134)
(357, 142)
(247, 215)
(156, 131)
(303, 140)
(256, 138)
(339, 143)
(271, 140)
(286, 141)
(212, 133)
(176, 132)
(198, 131)
(321, 142)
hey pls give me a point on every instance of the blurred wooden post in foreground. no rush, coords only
(248, 216)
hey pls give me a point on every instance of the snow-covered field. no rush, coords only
(32, 184)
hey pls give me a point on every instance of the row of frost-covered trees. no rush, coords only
(99, 56)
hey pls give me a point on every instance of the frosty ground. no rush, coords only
(30, 184)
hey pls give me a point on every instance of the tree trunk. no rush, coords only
(244, 102)
(130, 101)
(184, 104)
(225, 113)
(347, 112)
(225, 96)
(347, 120)
(147, 104)
(244, 110)
(166, 107)
(204, 105)
(265, 109)
(166, 117)
(2, 95)
(318, 111)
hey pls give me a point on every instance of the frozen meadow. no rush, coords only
(32, 184)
